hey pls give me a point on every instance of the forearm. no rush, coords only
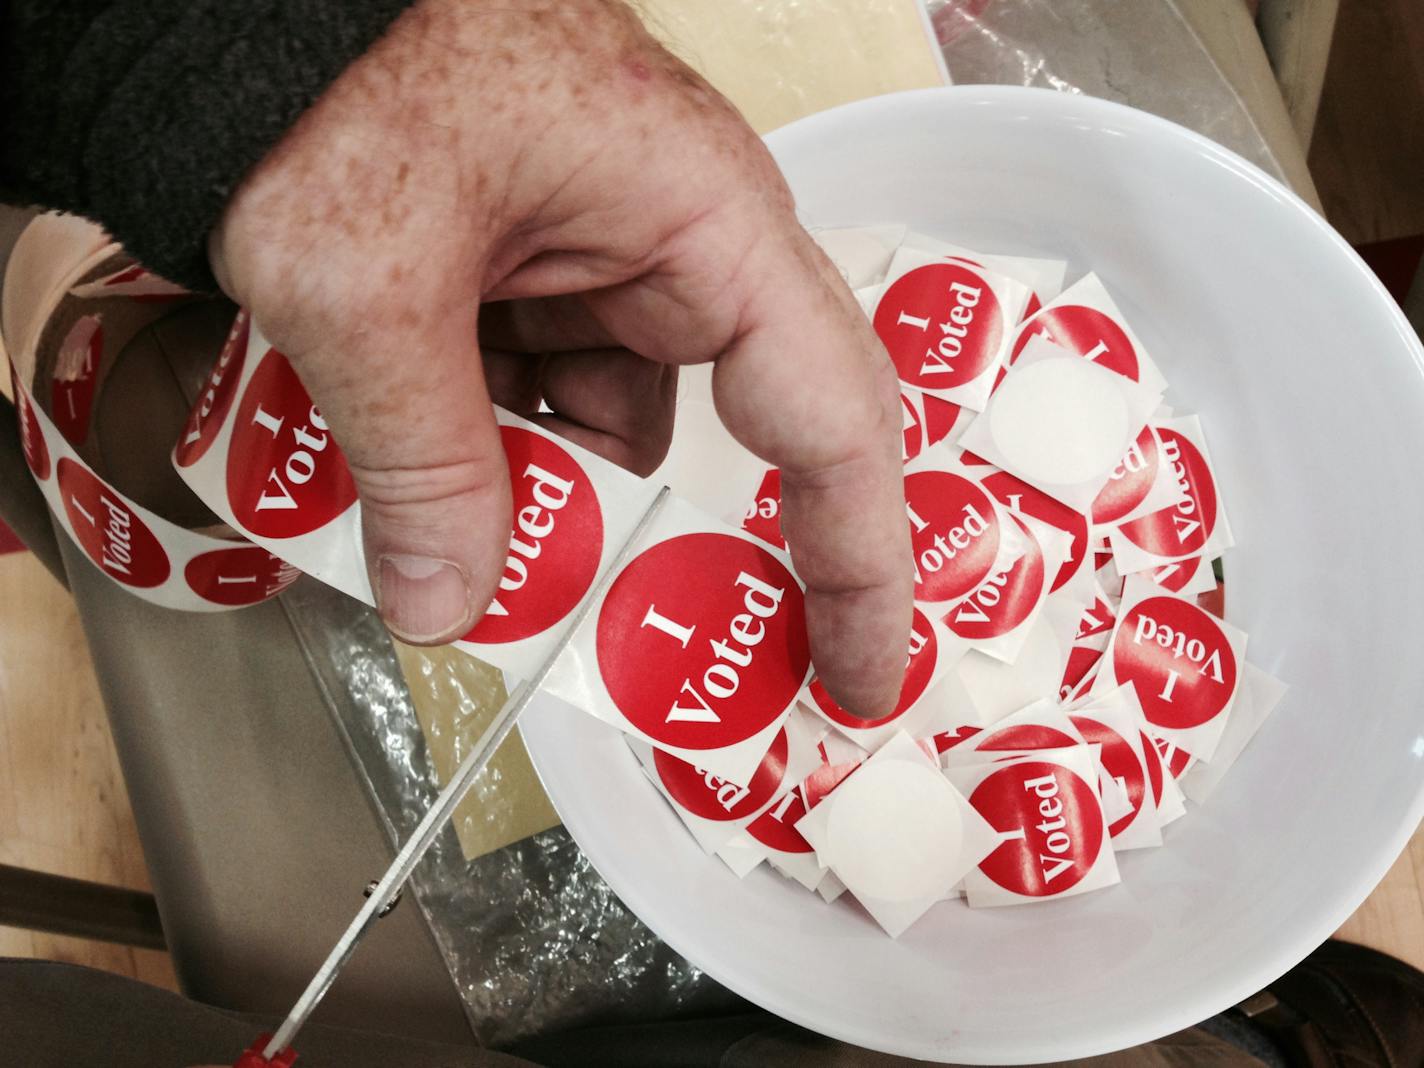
(145, 114)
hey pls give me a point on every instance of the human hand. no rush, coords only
(545, 175)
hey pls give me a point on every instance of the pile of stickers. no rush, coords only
(1065, 687)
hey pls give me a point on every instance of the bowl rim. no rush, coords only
(1193, 1005)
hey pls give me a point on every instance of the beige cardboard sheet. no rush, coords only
(777, 60)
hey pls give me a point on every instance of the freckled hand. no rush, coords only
(560, 212)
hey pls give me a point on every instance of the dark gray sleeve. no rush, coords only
(143, 115)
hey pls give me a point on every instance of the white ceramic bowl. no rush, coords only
(1311, 388)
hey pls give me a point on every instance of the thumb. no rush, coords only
(408, 402)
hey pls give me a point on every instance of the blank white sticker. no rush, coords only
(1060, 421)
(895, 831)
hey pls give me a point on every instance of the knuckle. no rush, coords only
(397, 491)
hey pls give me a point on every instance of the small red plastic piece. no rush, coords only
(252, 1056)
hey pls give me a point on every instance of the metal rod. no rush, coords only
(450, 797)
(38, 901)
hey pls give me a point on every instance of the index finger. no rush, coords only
(808, 386)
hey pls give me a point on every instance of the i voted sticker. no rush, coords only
(701, 640)
(1052, 826)
(1130, 481)
(911, 429)
(954, 534)
(1174, 758)
(1178, 658)
(1021, 736)
(1122, 764)
(714, 798)
(1002, 601)
(109, 531)
(242, 575)
(763, 517)
(1185, 528)
(1085, 331)
(285, 474)
(1077, 673)
(1156, 777)
(135, 282)
(76, 373)
(208, 413)
(32, 442)
(776, 827)
(942, 325)
(1030, 500)
(1193, 575)
(555, 545)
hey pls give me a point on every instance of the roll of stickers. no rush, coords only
(698, 648)
(78, 313)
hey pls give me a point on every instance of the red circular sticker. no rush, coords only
(1154, 767)
(1056, 822)
(1023, 736)
(941, 324)
(1002, 602)
(1179, 661)
(702, 640)
(32, 441)
(1174, 757)
(824, 779)
(207, 415)
(1130, 482)
(242, 575)
(940, 418)
(713, 797)
(954, 532)
(1081, 660)
(556, 543)
(1022, 497)
(1175, 577)
(947, 740)
(924, 654)
(285, 474)
(913, 432)
(116, 539)
(776, 827)
(72, 396)
(1086, 331)
(1184, 528)
(763, 518)
(1121, 762)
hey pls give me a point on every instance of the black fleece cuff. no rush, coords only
(145, 114)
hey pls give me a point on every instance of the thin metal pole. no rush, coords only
(38, 901)
(435, 819)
